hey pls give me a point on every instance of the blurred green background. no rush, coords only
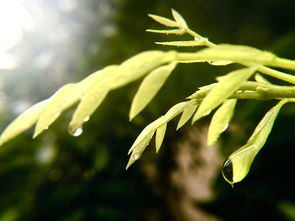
(46, 44)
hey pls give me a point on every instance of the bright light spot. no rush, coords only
(7, 61)
(45, 154)
(14, 19)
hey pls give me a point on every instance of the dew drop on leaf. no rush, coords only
(86, 119)
(227, 171)
(77, 132)
(46, 128)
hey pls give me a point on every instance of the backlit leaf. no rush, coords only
(187, 113)
(149, 88)
(179, 19)
(139, 65)
(220, 120)
(89, 103)
(222, 90)
(107, 75)
(57, 103)
(160, 133)
(237, 166)
(202, 91)
(22, 122)
(139, 148)
(98, 88)
(150, 129)
(164, 21)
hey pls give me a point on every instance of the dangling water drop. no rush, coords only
(227, 171)
(46, 128)
(86, 119)
(77, 132)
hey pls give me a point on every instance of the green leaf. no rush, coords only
(57, 103)
(107, 74)
(160, 133)
(22, 122)
(139, 148)
(179, 19)
(149, 88)
(89, 103)
(187, 113)
(145, 136)
(174, 111)
(237, 166)
(164, 21)
(222, 90)
(152, 127)
(202, 91)
(149, 129)
(220, 120)
(139, 65)
(98, 86)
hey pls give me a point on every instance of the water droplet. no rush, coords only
(46, 128)
(227, 171)
(86, 119)
(77, 132)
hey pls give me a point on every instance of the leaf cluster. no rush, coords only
(155, 67)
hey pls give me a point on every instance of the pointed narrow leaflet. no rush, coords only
(160, 134)
(149, 87)
(61, 100)
(187, 113)
(164, 21)
(139, 65)
(139, 148)
(179, 19)
(89, 103)
(145, 136)
(22, 122)
(220, 120)
(237, 166)
(222, 90)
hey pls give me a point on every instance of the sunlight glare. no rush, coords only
(14, 20)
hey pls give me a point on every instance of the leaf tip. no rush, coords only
(37, 133)
(210, 142)
(132, 114)
(39, 130)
